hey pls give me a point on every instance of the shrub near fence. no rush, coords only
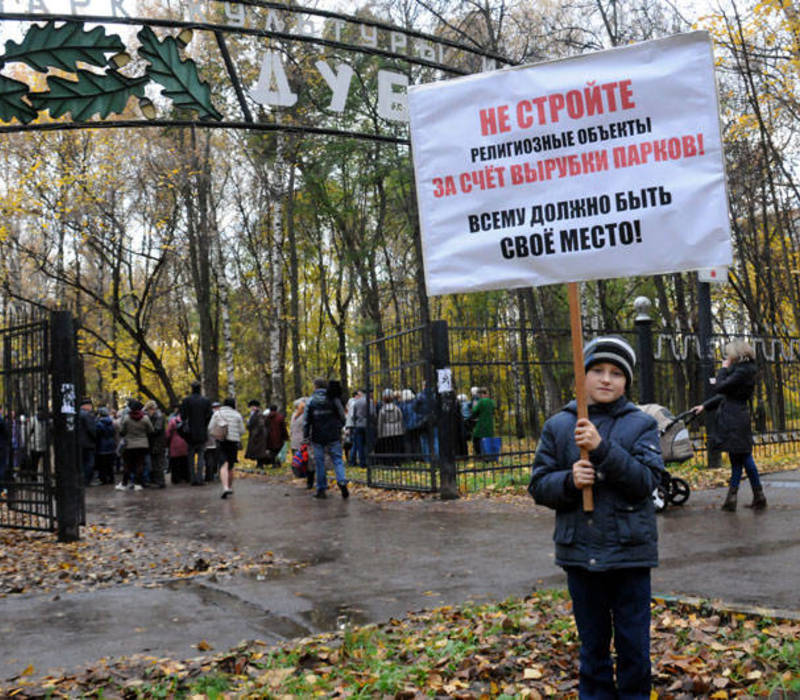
(529, 376)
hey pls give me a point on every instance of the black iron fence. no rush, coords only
(528, 375)
(39, 485)
(406, 460)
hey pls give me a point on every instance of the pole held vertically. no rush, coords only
(576, 331)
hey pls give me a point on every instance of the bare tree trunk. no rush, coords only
(663, 301)
(544, 349)
(530, 397)
(519, 424)
(422, 294)
(224, 303)
(276, 277)
(294, 289)
(197, 184)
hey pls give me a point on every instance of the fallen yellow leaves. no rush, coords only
(36, 562)
(520, 648)
(275, 677)
(169, 667)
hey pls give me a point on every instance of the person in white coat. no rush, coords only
(227, 427)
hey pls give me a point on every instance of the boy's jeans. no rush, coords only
(334, 449)
(618, 600)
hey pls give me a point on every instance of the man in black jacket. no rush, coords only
(323, 424)
(87, 438)
(195, 415)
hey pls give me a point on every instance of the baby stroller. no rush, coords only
(676, 447)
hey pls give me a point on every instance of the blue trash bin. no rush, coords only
(490, 448)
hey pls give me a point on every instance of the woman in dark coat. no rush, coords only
(277, 434)
(734, 386)
(256, 435)
(177, 450)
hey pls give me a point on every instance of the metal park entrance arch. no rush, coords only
(96, 78)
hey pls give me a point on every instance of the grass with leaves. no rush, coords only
(513, 649)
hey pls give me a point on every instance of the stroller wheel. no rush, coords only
(678, 491)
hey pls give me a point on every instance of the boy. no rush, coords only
(609, 552)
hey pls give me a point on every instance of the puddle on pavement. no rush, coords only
(331, 618)
(326, 557)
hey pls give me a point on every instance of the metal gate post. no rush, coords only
(644, 333)
(8, 374)
(65, 436)
(446, 415)
(707, 365)
(368, 431)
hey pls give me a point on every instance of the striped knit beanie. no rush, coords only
(613, 349)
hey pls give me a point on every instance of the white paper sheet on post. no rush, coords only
(599, 166)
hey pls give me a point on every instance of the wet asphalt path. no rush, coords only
(371, 561)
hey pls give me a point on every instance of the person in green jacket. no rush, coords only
(483, 413)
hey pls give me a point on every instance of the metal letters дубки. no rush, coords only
(96, 95)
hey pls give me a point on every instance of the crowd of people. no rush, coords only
(404, 423)
(24, 443)
(198, 441)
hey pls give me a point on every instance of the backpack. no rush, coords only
(182, 428)
(300, 462)
(219, 428)
(676, 445)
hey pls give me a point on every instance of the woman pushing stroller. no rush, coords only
(734, 387)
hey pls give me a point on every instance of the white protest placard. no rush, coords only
(599, 166)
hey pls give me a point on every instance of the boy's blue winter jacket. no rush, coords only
(621, 532)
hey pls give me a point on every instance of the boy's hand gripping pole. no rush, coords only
(576, 330)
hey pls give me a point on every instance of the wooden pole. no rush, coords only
(576, 331)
